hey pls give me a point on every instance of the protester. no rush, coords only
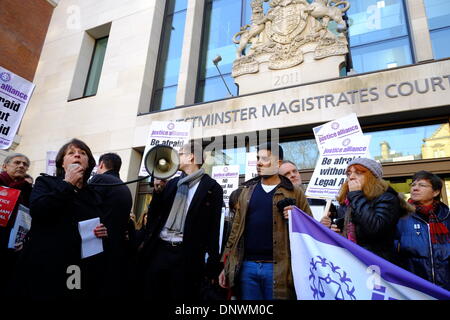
(369, 208)
(116, 206)
(141, 227)
(232, 208)
(257, 254)
(423, 242)
(289, 170)
(57, 204)
(14, 170)
(183, 225)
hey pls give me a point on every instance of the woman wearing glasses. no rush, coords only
(369, 209)
(423, 242)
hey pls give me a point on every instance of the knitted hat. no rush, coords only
(370, 164)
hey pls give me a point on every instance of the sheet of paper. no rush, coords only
(90, 244)
(21, 227)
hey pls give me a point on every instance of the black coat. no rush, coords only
(54, 241)
(201, 229)
(375, 221)
(8, 257)
(116, 207)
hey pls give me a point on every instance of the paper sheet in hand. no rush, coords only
(21, 227)
(90, 244)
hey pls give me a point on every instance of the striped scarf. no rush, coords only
(438, 231)
(175, 223)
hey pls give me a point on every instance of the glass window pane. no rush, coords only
(375, 20)
(164, 98)
(214, 88)
(227, 157)
(438, 13)
(382, 55)
(171, 51)
(169, 57)
(425, 142)
(176, 5)
(304, 153)
(222, 21)
(440, 40)
(96, 67)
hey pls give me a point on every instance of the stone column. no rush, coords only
(156, 22)
(187, 79)
(420, 34)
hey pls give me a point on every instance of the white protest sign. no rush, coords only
(15, 93)
(166, 133)
(228, 178)
(338, 129)
(250, 166)
(329, 174)
(21, 227)
(50, 168)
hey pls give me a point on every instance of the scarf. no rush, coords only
(438, 231)
(175, 223)
(349, 227)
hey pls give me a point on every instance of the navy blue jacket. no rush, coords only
(416, 252)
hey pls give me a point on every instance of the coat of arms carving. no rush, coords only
(289, 29)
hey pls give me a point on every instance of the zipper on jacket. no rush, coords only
(431, 254)
(431, 247)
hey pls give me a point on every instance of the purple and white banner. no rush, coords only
(15, 93)
(327, 266)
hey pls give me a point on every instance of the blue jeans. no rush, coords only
(256, 280)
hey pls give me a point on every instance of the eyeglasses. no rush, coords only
(420, 185)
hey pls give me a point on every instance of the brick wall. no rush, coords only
(23, 26)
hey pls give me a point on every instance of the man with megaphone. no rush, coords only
(183, 225)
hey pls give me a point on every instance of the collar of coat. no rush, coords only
(285, 182)
(112, 173)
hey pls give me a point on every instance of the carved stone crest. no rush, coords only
(285, 22)
(289, 30)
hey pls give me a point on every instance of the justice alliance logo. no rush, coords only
(5, 76)
(336, 285)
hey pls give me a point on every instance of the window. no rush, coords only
(438, 13)
(229, 157)
(413, 143)
(166, 78)
(378, 35)
(95, 69)
(223, 18)
(403, 144)
(88, 69)
(304, 153)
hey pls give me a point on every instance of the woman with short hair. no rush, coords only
(423, 242)
(57, 204)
